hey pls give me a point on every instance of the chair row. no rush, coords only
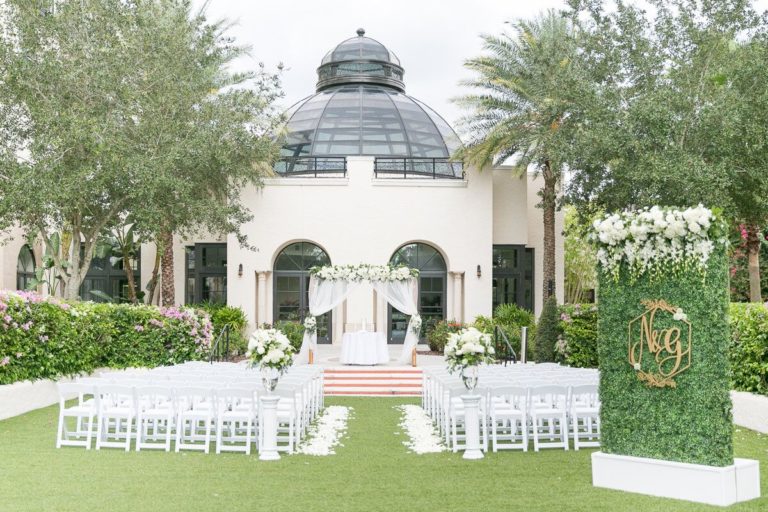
(513, 415)
(153, 415)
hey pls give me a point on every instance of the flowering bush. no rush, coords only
(44, 338)
(364, 272)
(468, 347)
(270, 348)
(438, 331)
(657, 240)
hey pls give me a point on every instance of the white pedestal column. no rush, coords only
(472, 426)
(261, 311)
(458, 297)
(269, 428)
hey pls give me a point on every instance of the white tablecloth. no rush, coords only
(364, 347)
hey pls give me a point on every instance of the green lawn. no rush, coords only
(372, 471)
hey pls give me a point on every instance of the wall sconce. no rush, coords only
(479, 272)
(240, 270)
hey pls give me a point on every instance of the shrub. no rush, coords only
(46, 338)
(511, 318)
(546, 331)
(437, 334)
(748, 350)
(577, 328)
(223, 315)
(294, 331)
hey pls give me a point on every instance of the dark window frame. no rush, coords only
(23, 277)
(303, 275)
(524, 272)
(200, 273)
(423, 274)
(110, 278)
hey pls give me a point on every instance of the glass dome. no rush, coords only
(361, 108)
(358, 119)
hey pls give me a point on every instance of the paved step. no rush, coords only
(372, 381)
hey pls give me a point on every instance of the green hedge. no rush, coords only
(692, 422)
(222, 316)
(47, 339)
(577, 341)
(748, 350)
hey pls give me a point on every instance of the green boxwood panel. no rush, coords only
(692, 422)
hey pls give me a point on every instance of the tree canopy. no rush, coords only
(113, 106)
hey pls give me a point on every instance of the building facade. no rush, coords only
(365, 176)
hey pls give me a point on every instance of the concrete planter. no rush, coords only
(691, 482)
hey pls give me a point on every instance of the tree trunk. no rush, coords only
(128, 268)
(168, 291)
(753, 253)
(152, 285)
(549, 206)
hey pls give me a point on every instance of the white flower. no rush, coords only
(637, 366)
(679, 315)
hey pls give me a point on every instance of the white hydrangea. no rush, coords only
(364, 272)
(270, 348)
(648, 239)
(468, 347)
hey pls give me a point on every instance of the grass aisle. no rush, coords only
(373, 471)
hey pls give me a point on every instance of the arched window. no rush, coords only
(291, 285)
(25, 267)
(432, 285)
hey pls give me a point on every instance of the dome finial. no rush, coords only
(361, 32)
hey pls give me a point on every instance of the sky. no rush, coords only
(432, 38)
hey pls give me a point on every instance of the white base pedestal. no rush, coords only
(691, 482)
(268, 450)
(472, 427)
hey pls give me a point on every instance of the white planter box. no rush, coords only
(691, 482)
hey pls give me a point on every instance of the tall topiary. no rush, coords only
(663, 336)
(546, 331)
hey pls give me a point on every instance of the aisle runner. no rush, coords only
(326, 433)
(419, 428)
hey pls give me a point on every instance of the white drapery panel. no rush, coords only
(323, 297)
(326, 295)
(400, 294)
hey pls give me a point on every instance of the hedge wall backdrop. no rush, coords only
(692, 421)
(47, 339)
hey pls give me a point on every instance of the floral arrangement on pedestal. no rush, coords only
(270, 350)
(657, 240)
(310, 324)
(364, 272)
(466, 350)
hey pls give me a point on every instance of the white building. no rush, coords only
(365, 178)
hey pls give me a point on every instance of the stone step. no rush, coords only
(372, 381)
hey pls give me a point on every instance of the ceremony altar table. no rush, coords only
(364, 347)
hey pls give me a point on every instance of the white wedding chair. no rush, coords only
(116, 404)
(84, 412)
(548, 411)
(196, 414)
(509, 418)
(585, 416)
(237, 419)
(155, 418)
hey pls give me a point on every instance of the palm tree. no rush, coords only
(522, 110)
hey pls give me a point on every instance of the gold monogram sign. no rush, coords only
(660, 343)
